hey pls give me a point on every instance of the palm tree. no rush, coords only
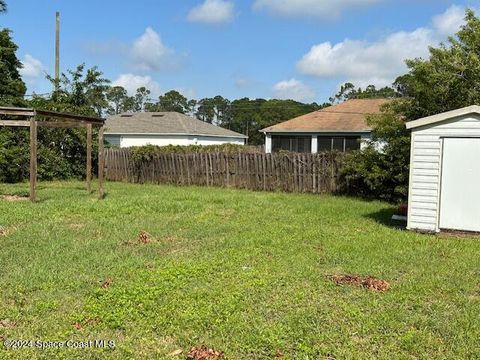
(3, 6)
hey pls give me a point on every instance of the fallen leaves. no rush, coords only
(204, 353)
(91, 321)
(144, 237)
(367, 282)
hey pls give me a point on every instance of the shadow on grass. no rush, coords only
(384, 217)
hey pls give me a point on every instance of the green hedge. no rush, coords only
(147, 152)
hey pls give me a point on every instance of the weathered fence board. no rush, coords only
(314, 173)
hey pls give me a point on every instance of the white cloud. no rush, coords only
(213, 12)
(380, 62)
(150, 54)
(309, 8)
(32, 68)
(132, 82)
(450, 21)
(292, 89)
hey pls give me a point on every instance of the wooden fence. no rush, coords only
(315, 173)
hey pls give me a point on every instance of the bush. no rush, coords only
(382, 169)
(61, 154)
(146, 153)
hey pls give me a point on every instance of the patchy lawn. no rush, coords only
(161, 270)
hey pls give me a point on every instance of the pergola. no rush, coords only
(32, 118)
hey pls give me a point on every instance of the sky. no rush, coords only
(287, 49)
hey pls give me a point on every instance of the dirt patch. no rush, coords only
(176, 353)
(76, 226)
(13, 198)
(3, 231)
(7, 323)
(458, 234)
(106, 284)
(204, 353)
(367, 282)
(145, 238)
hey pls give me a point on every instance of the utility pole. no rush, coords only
(57, 51)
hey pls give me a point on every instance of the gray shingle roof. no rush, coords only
(163, 123)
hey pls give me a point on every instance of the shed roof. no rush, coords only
(164, 123)
(349, 116)
(429, 120)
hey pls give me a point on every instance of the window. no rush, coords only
(299, 144)
(324, 144)
(342, 144)
(338, 144)
(352, 143)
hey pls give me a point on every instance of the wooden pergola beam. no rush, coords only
(46, 124)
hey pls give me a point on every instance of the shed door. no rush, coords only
(460, 192)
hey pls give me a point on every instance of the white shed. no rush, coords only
(444, 190)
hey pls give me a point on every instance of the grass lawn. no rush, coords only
(242, 272)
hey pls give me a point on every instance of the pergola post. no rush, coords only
(89, 158)
(33, 158)
(101, 164)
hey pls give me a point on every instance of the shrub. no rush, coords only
(61, 154)
(381, 170)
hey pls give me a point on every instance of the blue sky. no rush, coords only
(300, 49)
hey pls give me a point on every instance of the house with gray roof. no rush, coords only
(166, 128)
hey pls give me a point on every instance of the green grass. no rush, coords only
(242, 272)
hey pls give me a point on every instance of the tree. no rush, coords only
(116, 96)
(206, 110)
(14, 154)
(173, 101)
(349, 91)
(12, 87)
(81, 91)
(141, 99)
(3, 6)
(449, 79)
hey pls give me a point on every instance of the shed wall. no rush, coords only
(426, 167)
